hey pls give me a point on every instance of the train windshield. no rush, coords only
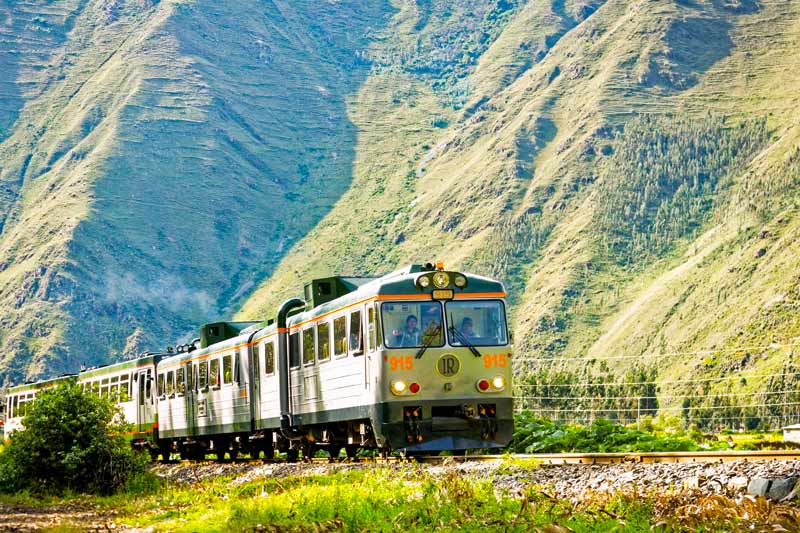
(480, 323)
(412, 324)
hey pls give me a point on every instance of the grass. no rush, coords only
(410, 498)
(375, 500)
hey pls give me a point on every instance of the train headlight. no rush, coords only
(424, 282)
(499, 382)
(441, 279)
(460, 281)
(413, 388)
(483, 385)
(399, 387)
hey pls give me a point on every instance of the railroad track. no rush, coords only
(578, 458)
(634, 457)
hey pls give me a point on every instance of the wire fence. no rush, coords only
(583, 389)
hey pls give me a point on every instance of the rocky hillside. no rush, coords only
(629, 168)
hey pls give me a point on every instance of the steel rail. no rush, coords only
(717, 456)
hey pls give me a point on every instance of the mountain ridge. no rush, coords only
(357, 137)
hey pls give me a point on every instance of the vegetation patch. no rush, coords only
(72, 442)
(661, 181)
(534, 434)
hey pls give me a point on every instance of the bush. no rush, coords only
(534, 434)
(72, 441)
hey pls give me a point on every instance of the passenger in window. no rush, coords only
(466, 328)
(408, 336)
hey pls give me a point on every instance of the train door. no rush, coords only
(144, 402)
(185, 388)
(371, 346)
(254, 352)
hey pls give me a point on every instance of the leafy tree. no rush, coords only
(72, 441)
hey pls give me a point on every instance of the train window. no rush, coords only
(227, 370)
(104, 388)
(124, 389)
(378, 331)
(309, 346)
(15, 406)
(269, 358)
(180, 381)
(148, 391)
(202, 375)
(113, 389)
(412, 324)
(324, 341)
(214, 379)
(294, 350)
(356, 337)
(256, 361)
(340, 336)
(189, 376)
(96, 388)
(371, 328)
(237, 368)
(170, 383)
(160, 387)
(480, 323)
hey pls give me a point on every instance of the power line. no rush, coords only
(673, 408)
(793, 416)
(677, 381)
(657, 396)
(599, 358)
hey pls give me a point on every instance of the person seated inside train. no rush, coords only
(466, 328)
(409, 335)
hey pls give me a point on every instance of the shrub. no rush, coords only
(72, 441)
(534, 434)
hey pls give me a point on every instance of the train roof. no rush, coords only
(122, 365)
(328, 295)
(39, 385)
(403, 284)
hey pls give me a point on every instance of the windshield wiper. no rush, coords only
(428, 342)
(460, 337)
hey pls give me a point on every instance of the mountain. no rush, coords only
(628, 168)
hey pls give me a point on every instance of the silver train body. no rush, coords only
(417, 360)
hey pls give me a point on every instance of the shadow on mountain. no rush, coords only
(236, 144)
(691, 47)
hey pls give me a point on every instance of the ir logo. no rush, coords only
(448, 365)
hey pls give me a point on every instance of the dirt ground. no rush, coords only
(81, 517)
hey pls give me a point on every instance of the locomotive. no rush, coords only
(418, 361)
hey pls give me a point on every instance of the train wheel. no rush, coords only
(233, 454)
(384, 452)
(292, 454)
(352, 451)
(308, 451)
(269, 453)
(333, 450)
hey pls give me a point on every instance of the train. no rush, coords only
(415, 361)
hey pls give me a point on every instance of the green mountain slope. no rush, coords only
(536, 178)
(179, 149)
(628, 168)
